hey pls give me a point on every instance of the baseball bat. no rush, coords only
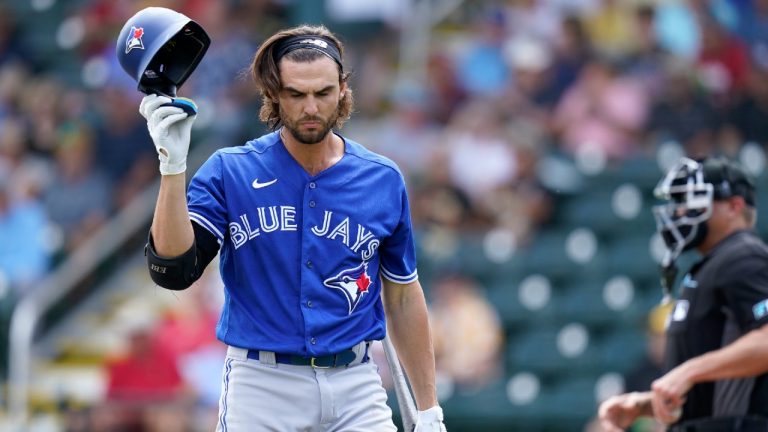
(402, 391)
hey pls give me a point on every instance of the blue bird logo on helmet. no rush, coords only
(134, 39)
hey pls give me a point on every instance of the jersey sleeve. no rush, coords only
(398, 252)
(747, 291)
(205, 198)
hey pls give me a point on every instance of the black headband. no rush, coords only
(313, 42)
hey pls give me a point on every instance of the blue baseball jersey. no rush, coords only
(301, 256)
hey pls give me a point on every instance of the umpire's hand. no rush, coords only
(618, 413)
(170, 128)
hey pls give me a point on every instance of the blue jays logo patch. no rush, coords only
(134, 39)
(353, 283)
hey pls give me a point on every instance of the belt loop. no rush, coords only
(237, 353)
(267, 358)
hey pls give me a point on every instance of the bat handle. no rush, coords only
(185, 104)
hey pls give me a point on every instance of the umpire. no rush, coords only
(717, 348)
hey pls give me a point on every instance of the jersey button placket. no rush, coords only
(307, 253)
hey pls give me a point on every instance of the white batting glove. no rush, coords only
(430, 420)
(170, 128)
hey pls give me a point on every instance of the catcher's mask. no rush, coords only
(689, 189)
(160, 48)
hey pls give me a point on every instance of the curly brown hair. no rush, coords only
(266, 73)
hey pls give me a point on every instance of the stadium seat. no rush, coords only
(537, 352)
(621, 349)
(547, 255)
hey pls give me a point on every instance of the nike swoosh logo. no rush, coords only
(257, 185)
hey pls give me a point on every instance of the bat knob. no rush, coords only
(187, 105)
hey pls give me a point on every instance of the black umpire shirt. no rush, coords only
(723, 297)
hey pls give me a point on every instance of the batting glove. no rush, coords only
(170, 128)
(430, 420)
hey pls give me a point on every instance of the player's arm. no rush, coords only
(170, 128)
(174, 257)
(171, 228)
(408, 326)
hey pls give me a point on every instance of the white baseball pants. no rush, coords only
(267, 396)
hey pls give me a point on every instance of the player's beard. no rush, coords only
(306, 136)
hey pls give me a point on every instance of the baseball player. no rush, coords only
(311, 228)
(717, 337)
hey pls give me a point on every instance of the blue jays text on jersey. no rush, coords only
(302, 256)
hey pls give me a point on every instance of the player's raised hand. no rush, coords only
(617, 413)
(170, 128)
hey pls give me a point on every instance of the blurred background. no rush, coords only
(531, 134)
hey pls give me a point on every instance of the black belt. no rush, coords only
(343, 358)
(725, 424)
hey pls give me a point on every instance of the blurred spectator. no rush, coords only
(467, 332)
(123, 147)
(683, 113)
(603, 111)
(408, 122)
(751, 111)
(613, 29)
(11, 49)
(480, 157)
(24, 252)
(572, 50)
(723, 62)
(375, 69)
(30, 173)
(482, 70)
(648, 60)
(145, 390)
(188, 334)
(754, 31)
(78, 196)
(445, 92)
(531, 92)
(522, 205)
(39, 103)
(215, 81)
(538, 19)
(13, 78)
(678, 29)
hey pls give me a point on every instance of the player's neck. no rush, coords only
(314, 158)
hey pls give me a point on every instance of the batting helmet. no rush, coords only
(159, 48)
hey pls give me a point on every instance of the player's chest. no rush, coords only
(350, 217)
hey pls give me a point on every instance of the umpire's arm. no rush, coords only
(408, 326)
